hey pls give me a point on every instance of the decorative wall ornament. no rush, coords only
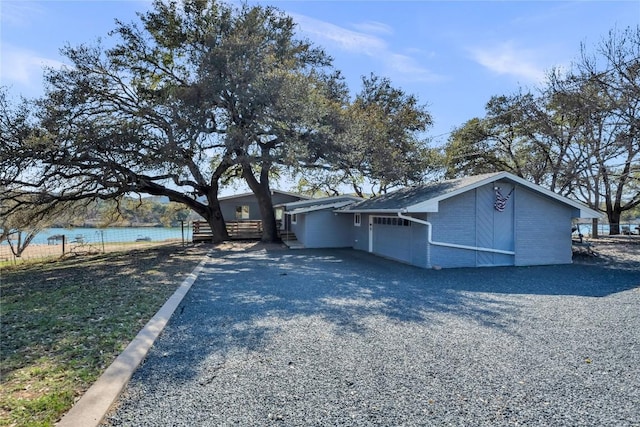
(501, 201)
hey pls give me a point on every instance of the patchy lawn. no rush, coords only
(64, 322)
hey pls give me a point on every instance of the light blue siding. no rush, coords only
(299, 228)
(406, 242)
(495, 229)
(471, 219)
(543, 230)
(228, 205)
(420, 248)
(360, 234)
(455, 222)
(325, 229)
(535, 227)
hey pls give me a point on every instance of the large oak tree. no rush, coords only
(192, 92)
(380, 144)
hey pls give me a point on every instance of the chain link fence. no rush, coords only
(57, 242)
(629, 229)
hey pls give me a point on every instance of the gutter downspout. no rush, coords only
(451, 245)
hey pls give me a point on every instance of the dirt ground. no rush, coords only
(611, 250)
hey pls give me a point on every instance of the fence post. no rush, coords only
(64, 239)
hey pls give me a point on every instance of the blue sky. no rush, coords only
(452, 55)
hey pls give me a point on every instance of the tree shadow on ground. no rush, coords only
(72, 308)
(241, 299)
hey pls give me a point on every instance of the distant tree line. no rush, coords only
(20, 228)
(130, 212)
(198, 95)
(579, 135)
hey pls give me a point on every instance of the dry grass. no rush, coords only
(623, 251)
(65, 321)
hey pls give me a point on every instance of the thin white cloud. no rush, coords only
(24, 67)
(19, 13)
(365, 43)
(408, 66)
(507, 59)
(373, 27)
(350, 41)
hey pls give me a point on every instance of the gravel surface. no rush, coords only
(325, 338)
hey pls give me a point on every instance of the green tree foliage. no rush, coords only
(380, 143)
(186, 96)
(579, 136)
(605, 86)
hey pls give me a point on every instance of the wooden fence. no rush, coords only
(237, 230)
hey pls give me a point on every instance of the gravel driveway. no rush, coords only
(341, 337)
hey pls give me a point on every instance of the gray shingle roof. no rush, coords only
(405, 197)
(328, 201)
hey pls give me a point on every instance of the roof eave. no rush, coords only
(585, 211)
(431, 205)
(316, 208)
(372, 210)
(590, 213)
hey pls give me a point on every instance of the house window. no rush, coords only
(294, 218)
(242, 212)
(357, 220)
(398, 222)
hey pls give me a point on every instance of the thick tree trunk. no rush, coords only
(614, 222)
(218, 226)
(211, 212)
(269, 224)
(594, 228)
(215, 218)
(263, 194)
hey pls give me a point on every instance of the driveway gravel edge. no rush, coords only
(97, 400)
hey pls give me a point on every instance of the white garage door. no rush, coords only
(391, 238)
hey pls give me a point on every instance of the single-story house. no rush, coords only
(316, 224)
(495, 219)
(242, 215)
(244, 207)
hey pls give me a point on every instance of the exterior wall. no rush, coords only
(324, 229)
(228, 206)
(543, 230)
(420, 248)
(536, 228)
(455, 222)
(471, 219)
(495, 229)
(299, 227)
(360, 236)
(407, 244)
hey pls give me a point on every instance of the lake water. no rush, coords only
(112, 234)
(156, 234)
(603, 229)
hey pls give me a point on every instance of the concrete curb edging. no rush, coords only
(97, 400)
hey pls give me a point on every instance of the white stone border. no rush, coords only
(97, 400)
